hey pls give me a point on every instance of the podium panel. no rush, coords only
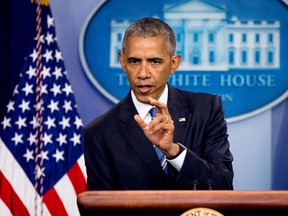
(170, 203)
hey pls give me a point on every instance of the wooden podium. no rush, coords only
(177, 202)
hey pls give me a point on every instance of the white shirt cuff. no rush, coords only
(178, 162)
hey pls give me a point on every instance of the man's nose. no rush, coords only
(143, 71)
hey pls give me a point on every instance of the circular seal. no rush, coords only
(201, 212)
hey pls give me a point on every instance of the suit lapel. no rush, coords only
(132, 133)
(180, 114)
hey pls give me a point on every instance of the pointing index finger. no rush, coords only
(160, 107)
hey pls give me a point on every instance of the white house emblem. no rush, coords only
(237, 50)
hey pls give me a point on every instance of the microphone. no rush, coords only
(195, 184)
(210, 183)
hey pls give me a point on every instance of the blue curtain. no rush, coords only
(17, 21)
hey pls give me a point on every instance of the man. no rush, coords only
(189, 129)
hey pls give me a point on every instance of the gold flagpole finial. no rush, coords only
(43, 2)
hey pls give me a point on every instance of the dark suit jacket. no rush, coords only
(118, 156)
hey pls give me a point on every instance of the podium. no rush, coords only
(171, 203)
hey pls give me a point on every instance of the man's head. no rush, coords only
(151, 27)
(148, 57)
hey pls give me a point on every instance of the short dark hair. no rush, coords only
(151, 27)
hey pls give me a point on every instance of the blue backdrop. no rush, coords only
(259, 144)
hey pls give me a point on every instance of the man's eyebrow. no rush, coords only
(133, 59)
(156, 59)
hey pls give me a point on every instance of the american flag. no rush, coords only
(41, 145)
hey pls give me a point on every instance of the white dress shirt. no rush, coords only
(143, 111)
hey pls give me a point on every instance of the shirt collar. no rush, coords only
(143, 108)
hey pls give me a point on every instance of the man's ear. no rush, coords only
(176, 60)
(122, 60)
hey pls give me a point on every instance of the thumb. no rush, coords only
(140, 121)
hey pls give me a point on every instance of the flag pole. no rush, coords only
(39, 109)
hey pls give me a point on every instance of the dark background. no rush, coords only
(17, 21)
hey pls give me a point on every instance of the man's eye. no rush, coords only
(156, 62)
(133, 61)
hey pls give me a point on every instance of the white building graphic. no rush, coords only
(208, 41)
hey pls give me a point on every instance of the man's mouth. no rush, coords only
(144, 89)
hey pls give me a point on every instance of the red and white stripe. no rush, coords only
(17, 193)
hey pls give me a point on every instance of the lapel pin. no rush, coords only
(182, 119)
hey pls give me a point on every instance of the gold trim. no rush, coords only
(43, 2)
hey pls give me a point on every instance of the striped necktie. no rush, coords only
(161, 156)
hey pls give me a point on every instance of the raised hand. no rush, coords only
(160, 130)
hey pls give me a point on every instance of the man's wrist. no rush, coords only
(181, 149)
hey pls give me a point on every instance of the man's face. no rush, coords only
(148, 65)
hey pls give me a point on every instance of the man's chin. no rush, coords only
(143, 98)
